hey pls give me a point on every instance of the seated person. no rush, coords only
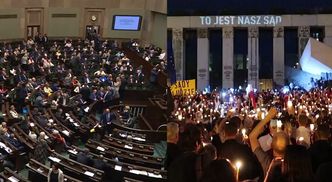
(24, 125)
(39, 100)
(47, 89)
(33, 136)
(13, 113)
(42, 120)
(75, 82)
(100, 72)
(5, 150)
(84, 157)
(54, 104)
(125, 115)
(99, 163)
(59, 114)
(60, 142)
(11, 139)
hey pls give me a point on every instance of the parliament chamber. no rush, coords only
(83, 95)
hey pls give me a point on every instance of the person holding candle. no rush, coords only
(303, 131)
(271, 165)
(297, 108)
(233, 150)
(266, 140)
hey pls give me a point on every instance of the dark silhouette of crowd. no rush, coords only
(273, 135)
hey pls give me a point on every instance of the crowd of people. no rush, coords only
(55, 71)
(65, 76)
(245, 135)
(155, 55)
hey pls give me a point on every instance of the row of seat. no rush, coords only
(117, 169)
(9, 175)
(124, 155)
(70, 167)
(132, 146)
(39, 172)
(131, 149)
(76, 169)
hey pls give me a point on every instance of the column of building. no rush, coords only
(278, 56)
(228, 57)
(178, 48)
(202, 59)
(303, 35)
(253, 57)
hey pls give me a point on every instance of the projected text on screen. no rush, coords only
(122, 22)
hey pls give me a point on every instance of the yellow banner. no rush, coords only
(184, 87)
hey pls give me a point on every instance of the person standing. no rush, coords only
(173, 150)
(40, 153)
(233, 150)
(303, 131)
(55, 174)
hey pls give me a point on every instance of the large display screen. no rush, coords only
(127, 22)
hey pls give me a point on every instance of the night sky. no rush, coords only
(247, 7)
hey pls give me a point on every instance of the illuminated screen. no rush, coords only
(127, 22)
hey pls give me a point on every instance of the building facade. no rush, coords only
(230, 51)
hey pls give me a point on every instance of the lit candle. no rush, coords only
(279, 123)
(312, 127)
(263, 115)
(289, 104)
(243, 131)
(238, 165)
(301, 139)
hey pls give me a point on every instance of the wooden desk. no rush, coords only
(128, 170)
(38, 171)
(151, 137)
(75, 169)
(122, 144)
(124, 155)
(8, 175)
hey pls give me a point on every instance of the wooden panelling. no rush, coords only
(34, 16)
(8, 16)
(57, 15)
